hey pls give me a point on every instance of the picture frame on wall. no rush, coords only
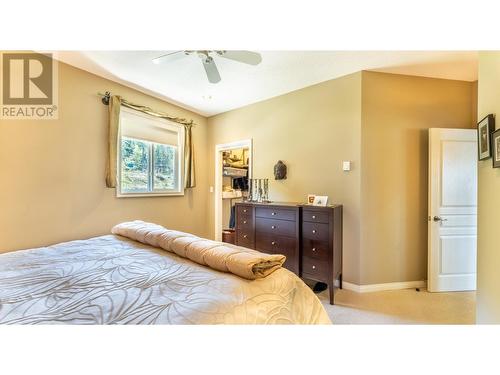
(495, 145)
(485, 128)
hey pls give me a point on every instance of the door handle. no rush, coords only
(439, 218)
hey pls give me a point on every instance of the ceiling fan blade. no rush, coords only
(171, 56)
(247, 57)
(211, 70)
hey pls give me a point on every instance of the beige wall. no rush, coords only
(312, 130)
(52, 172)
(488, 258)
(397, 111)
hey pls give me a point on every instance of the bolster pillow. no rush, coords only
(246, 263)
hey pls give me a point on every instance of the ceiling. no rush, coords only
(183, 81)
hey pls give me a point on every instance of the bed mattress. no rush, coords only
(114, 280)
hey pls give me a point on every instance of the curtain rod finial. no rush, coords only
(106, 97)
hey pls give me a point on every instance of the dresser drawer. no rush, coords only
(245, 221)
(315, 231)
(287, 246)
(315, 216)
(268, 243)
(244, 210)
(276, 213)
(245, 238)
(274, 226)
(315, 249)
(314, 269)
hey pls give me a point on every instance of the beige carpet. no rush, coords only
(400, 307)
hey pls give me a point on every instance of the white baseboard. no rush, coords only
(386, 286)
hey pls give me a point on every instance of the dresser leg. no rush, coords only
(340, 281)
(331, 289)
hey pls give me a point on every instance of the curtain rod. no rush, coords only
(107, 96)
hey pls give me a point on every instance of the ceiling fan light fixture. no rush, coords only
(213, 76)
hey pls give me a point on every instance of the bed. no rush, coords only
(122, 278)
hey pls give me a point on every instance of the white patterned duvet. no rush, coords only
(114, 280)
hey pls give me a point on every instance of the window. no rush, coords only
(150, 155)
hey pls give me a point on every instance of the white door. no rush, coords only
(452, 210)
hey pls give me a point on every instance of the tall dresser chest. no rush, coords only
(322, 245)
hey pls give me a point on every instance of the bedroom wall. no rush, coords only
(312, 130)
(488, 252)
(52, 172)
(398, 110)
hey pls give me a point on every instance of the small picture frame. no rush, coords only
(485, 128)
(495, 145)
(310, 198)
(320, 200)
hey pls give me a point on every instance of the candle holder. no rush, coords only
(258, 190)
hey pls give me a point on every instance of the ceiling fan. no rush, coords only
(207, 59)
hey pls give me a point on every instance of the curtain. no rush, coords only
(113, 130)
(115, 102)
(189, 178)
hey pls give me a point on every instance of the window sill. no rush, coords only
(149, 195)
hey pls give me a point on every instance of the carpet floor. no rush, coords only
(400, 307)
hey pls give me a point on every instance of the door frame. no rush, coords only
(246, 143)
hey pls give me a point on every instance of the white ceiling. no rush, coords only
(184, 83)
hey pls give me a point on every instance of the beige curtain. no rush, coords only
(113, 130)
(189, 178)
(115, 102)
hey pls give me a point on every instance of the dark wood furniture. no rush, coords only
(309, 236)
(228, 236)
(270, 228)
(322, 245)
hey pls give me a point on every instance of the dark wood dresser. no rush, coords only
(322, 245)
(310, 237)
(270, 228)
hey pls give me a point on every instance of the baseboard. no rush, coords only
(386, 286)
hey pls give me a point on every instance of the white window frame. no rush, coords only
(179, 160)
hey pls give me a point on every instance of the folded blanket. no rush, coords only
(220, 256)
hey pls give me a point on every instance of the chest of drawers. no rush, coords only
(310, 237)
(321, 245)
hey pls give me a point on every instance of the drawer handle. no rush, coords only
(314, 230)
(244, 221)
(273, 213)
(314, 216)
(273, 243)
(314, 249)
(273, 226)
(245, 236)
(314, 267)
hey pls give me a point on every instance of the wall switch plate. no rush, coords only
(346, 166)
(211, 189)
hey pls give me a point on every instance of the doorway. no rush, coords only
(233, 166)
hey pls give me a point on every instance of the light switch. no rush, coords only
(211, 189)
(346, 166)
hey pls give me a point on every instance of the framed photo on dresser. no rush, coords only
(320, 200)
